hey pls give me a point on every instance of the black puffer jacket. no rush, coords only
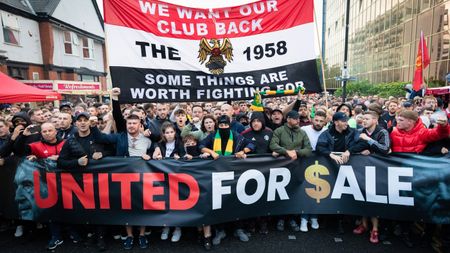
(75, 147)
(325, 143)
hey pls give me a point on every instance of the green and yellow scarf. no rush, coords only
(218, 144)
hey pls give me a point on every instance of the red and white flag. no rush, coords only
(164, 52)
(422, 62)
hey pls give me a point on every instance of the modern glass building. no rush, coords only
(384, 37)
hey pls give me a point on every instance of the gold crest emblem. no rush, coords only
(216, 52)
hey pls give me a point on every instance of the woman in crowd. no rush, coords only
(208, 126)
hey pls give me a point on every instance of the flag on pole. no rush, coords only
(422, 61)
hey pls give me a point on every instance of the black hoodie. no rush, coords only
(22, 115)
(350, 108)
(260, 138)
(22, 140)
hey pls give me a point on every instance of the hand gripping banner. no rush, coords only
(191, 193)
(163, 52)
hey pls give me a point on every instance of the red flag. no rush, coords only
(422, 61)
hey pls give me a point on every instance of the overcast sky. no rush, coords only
(222, 3)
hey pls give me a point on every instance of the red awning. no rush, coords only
(13, 91)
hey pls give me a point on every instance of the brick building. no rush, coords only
(53, 41)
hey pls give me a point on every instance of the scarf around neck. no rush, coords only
(218, 144)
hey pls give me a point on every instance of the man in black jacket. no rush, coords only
(336, 141)
(76, 152)
(152, 130)
(81, 147)
(258, 133)
(67, 129)
(372, 139)
(389, 115)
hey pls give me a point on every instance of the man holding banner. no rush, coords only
(373, 139)
(336, 143)
(290, 141)
(226, 142)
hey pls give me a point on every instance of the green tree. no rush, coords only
(365, 88)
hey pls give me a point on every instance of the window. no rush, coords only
(18, 73)
(10, 25)
(70, 43)
(88, 78)
(88, 48)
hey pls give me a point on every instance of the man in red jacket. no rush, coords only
(49, 147)
(411, 136)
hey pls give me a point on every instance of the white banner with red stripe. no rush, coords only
(163, 52)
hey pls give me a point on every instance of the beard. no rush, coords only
(317, 128)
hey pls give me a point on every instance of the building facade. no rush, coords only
(47, 42)
(384, 37)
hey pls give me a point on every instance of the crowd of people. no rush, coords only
(294, 127)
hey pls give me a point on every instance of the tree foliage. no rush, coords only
(365, 88)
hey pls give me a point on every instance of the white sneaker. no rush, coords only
(176, 234)
(280, 225)
(165, 233)
(220, 235)
(239, 233)
(19, 231)
(148, 232)
(314, 223)
(116, 237)
(304, 225)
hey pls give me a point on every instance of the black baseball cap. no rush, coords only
(224, 119)
(68, 105)
(407, 104)
(277, 110)
(293, 115)
(82, 114)
(340, 116)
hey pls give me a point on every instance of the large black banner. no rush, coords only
(134, 83)
(190, 193)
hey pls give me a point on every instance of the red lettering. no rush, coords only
(150, 190)
(103, 190)
(86, 196)
(175, 202)
(125, 180)
(52, 194)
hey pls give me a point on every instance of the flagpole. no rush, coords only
(321, 60)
